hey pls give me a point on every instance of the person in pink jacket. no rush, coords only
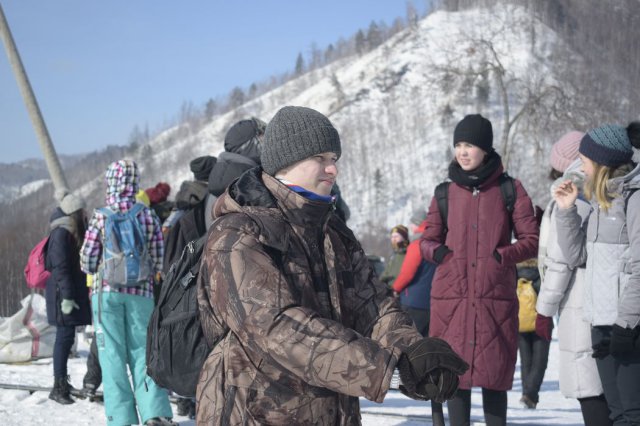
(474, 306)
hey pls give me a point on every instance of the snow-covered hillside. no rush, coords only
(395, 108)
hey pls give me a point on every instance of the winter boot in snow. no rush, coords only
(186, 407)
(160, 421)
(89, 391)
(60, 392)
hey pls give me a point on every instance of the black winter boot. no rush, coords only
(60, 392)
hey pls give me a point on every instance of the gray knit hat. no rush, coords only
(69, 202)
(296, 133)
(608, 145)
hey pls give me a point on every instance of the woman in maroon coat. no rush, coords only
(474, 306)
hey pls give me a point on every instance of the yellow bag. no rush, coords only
(527, 298)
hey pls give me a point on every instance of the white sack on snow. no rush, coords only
(26, 335)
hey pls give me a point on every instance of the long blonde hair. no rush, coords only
(598, 186)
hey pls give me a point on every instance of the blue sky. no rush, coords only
(98, 68)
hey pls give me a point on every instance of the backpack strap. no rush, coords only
(508, 191)
(626, 200)
(442, 198)
(106, 211)
(135, 209)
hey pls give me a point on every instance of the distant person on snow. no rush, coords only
(413, 287)
(66, 292)
(534, 337)
(189, 219)
(399, 241)
(121, 312)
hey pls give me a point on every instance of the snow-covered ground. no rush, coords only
(22, 408)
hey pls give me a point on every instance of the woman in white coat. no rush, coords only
(610, 245)
(561, 293)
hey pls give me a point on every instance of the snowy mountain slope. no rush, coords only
(395, 108)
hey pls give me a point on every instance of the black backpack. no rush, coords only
(176, 345)
(507, 188)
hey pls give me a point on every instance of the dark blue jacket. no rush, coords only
(417, 294)
(67, 281)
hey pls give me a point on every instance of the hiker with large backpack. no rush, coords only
(607, 243)
(191, 200)
(66, 293)
(534, 337)
(123, 245)
(299, 323)
(474, 306)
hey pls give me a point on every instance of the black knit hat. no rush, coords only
(608, 145)
(476, 130)
(244, 138)
(296, 133)
(243, 131)
(201, 167)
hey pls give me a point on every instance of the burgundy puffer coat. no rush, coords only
(474, 306)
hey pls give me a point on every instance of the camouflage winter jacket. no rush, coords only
(309, 327)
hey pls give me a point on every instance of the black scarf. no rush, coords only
(475, 178)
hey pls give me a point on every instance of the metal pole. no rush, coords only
(50, 156)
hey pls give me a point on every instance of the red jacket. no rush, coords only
(410, 265)
(474, 306)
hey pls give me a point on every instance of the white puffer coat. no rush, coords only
(561, 292)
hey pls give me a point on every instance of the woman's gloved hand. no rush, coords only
(67, 305)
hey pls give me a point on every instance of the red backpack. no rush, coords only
(35, 272)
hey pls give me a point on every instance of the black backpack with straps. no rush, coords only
(176, 346)
(507, 189)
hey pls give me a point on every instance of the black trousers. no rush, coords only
(534, 355)
(494, 404)
(595, 411)
(93, 375)
(620, 380)
(65, 335)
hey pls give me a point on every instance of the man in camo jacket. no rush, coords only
(302, 326)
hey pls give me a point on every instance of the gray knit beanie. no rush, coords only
(296, 133)
(69, 202)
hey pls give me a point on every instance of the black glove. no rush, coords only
(601, 350)
(497, 256)
(429, 369)
(623, 340)
(441, 383)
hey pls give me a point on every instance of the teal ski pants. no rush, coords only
(121, 331)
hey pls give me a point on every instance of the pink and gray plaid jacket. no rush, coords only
(122, 185)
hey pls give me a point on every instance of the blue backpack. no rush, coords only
(126, 261)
